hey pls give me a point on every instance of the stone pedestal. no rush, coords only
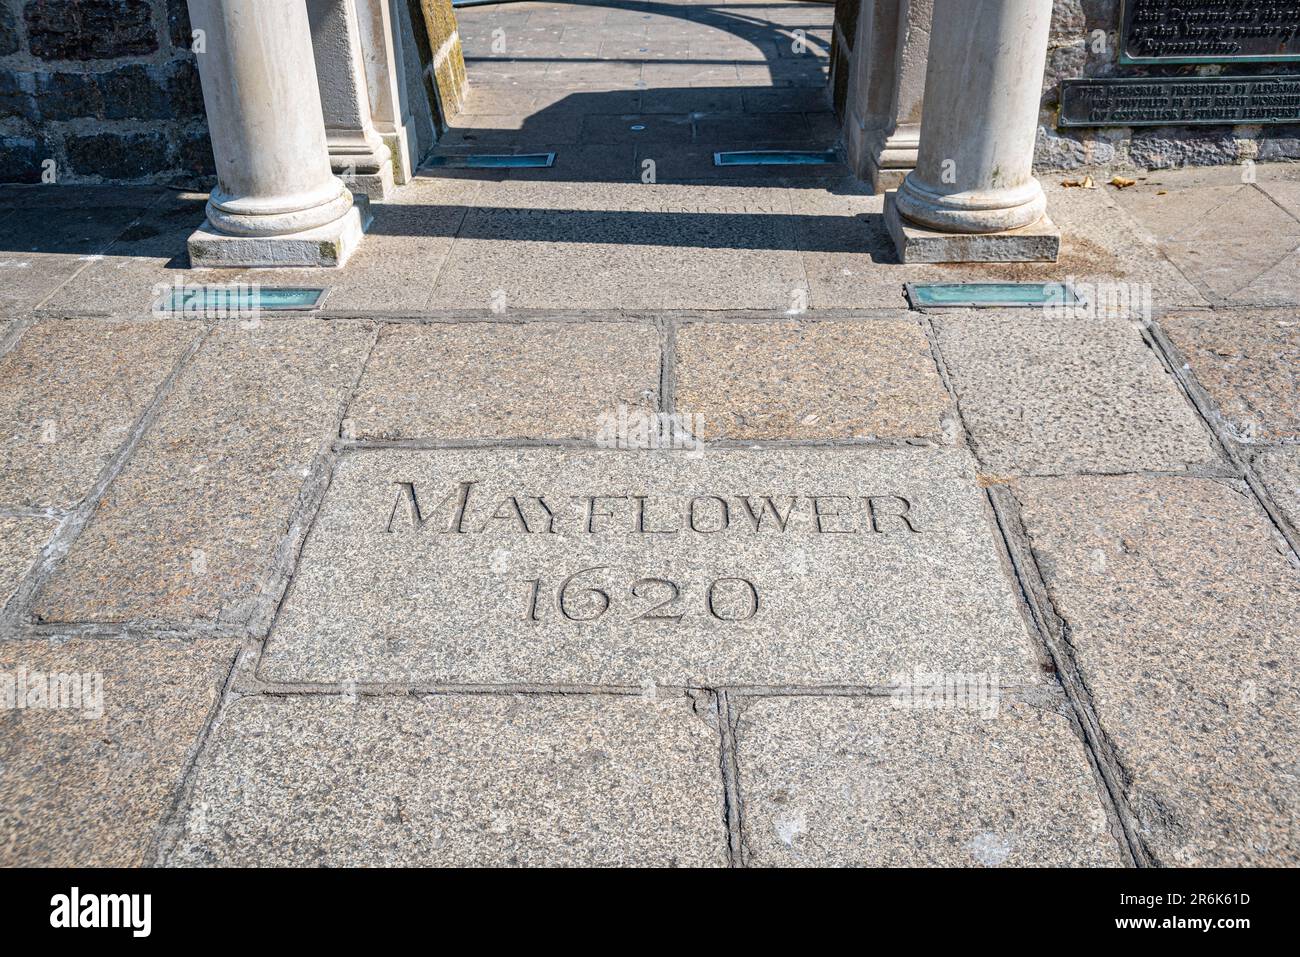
(276, 202)
(974, 172)
(385, 66)
(1037, 242)
(883, 129)
(358, 155)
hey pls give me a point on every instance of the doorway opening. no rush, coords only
(649, 90)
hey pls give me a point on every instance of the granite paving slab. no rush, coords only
(811, 380)
(89, 783)
(71, 391)
(458, 781)
(628, 245)
(191, 528)
(1249, 363)
(1044, 395)
(505, 380)
(845, 244)
(1181, 611)
(21, 540)
(1280, 469)
(861, 782)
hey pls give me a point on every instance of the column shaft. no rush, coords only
(974, 171)
(264, 116)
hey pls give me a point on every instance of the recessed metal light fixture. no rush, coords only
(775, 158)
(238, 298)
(493, 161)
(993, 295)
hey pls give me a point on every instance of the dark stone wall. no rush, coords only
(96, 90)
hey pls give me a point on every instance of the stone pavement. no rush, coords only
(398, 582)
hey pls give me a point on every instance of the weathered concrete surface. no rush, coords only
(504, 380)
(458, 781)
(811, 380)
(1181, 614)
(835, 782)
(70, 393)
(531, 244)
(189, 531)
(1249, 363)
(85, 791)
(21, 540)
(1044, 395)
(1230, 230)
(910, 578)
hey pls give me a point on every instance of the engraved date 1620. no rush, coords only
(582, 597)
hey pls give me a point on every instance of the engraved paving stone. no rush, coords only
(458, 781)
(551, 566)
(836, 782)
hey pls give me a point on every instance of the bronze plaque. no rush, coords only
(1181, 101)
(1210, 31)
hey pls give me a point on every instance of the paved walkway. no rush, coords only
(400, 582)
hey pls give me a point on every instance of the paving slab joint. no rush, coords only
(1238, 456)
(311, 496)
(728, 713)
(170, 825)
(15, 332)
(667, 364)
(1052, 631)
(17, 611)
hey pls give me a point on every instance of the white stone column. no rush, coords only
(381, 50)
(357, 153)
(276, 202)
(972, 196)
(887, 89)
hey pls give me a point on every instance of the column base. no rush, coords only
(370, 179)
(886, 178)
(1038, 242)
(881, 159)
(403, 157)
(892, 156)
(327, 246)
